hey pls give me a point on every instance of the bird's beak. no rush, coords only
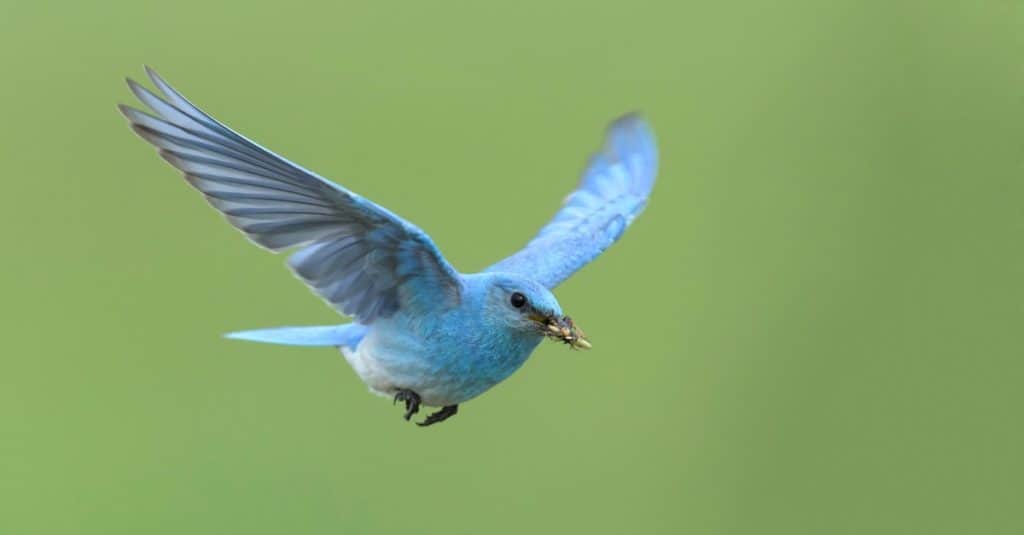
(563, 329)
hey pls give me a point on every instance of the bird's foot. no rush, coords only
(411, 399)
(440, 416)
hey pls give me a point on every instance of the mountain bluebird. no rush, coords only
(423, 332)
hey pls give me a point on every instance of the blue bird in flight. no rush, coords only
(424, 334)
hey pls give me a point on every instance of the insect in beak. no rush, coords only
(565, 330)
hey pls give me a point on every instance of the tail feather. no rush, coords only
(347, 335)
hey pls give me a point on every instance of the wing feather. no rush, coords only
(612, 192)
(364, 260)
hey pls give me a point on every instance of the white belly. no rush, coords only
(387, 368)
(372, 373)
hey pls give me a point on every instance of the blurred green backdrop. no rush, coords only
(815, 328)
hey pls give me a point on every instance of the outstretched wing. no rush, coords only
(362, 259)
(611, 193)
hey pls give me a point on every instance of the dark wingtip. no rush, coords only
(126, 110)
(631, 119)
(151, 72)
(136, 88)
(171, 158)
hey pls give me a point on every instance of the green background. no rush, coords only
(814, 328)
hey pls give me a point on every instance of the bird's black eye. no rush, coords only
(518, 300)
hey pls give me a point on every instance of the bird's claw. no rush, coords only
(412, 402)
(411, 399)
(446, 412)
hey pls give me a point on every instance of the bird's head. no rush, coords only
(528, 307)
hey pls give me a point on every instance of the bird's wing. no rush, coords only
(362, 259)
(612, 192)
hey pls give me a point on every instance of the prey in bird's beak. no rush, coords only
(563, 329)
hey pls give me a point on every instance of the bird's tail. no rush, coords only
(347, 335)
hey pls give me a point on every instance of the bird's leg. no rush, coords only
(411, 399)
(446, 412)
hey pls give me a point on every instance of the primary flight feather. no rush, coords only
(423, 333)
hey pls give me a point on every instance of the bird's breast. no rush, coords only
(443, 369)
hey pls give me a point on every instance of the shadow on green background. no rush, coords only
(815, 327)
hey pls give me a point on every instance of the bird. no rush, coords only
(422, 333)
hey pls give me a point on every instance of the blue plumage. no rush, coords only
(348, 335)
(424, 333)
(611, 193)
